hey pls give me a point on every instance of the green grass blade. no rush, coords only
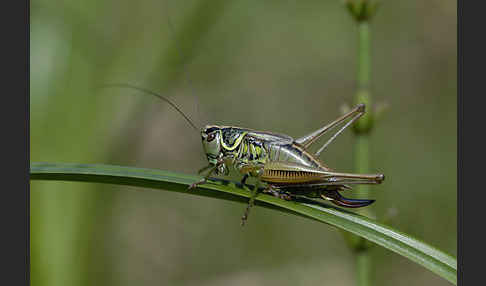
(429, 257)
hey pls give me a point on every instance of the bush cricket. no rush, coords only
(282, 163)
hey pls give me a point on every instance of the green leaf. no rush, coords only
(429, 257)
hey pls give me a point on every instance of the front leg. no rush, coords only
(205, 179)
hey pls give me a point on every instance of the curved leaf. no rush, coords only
(431, 258)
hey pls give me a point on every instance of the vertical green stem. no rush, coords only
(364, 59)
(361, 148)
(361, 158)
(363, 268)
(362, 11)
(363, 78)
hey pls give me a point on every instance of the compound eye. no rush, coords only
(211, 137)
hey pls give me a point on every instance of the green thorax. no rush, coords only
(259, 147)
(243, 146)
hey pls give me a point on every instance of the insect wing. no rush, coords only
(272, 138)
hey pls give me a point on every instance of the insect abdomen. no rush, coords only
(289, 177)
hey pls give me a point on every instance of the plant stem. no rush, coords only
(361, 148)
(364, 58)
(363, 268)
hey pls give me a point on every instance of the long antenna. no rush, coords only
(186, 74)
(184, 66)
(147, 91)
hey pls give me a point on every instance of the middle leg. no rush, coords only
(277, 193)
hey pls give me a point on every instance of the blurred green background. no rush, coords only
(283, 66)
